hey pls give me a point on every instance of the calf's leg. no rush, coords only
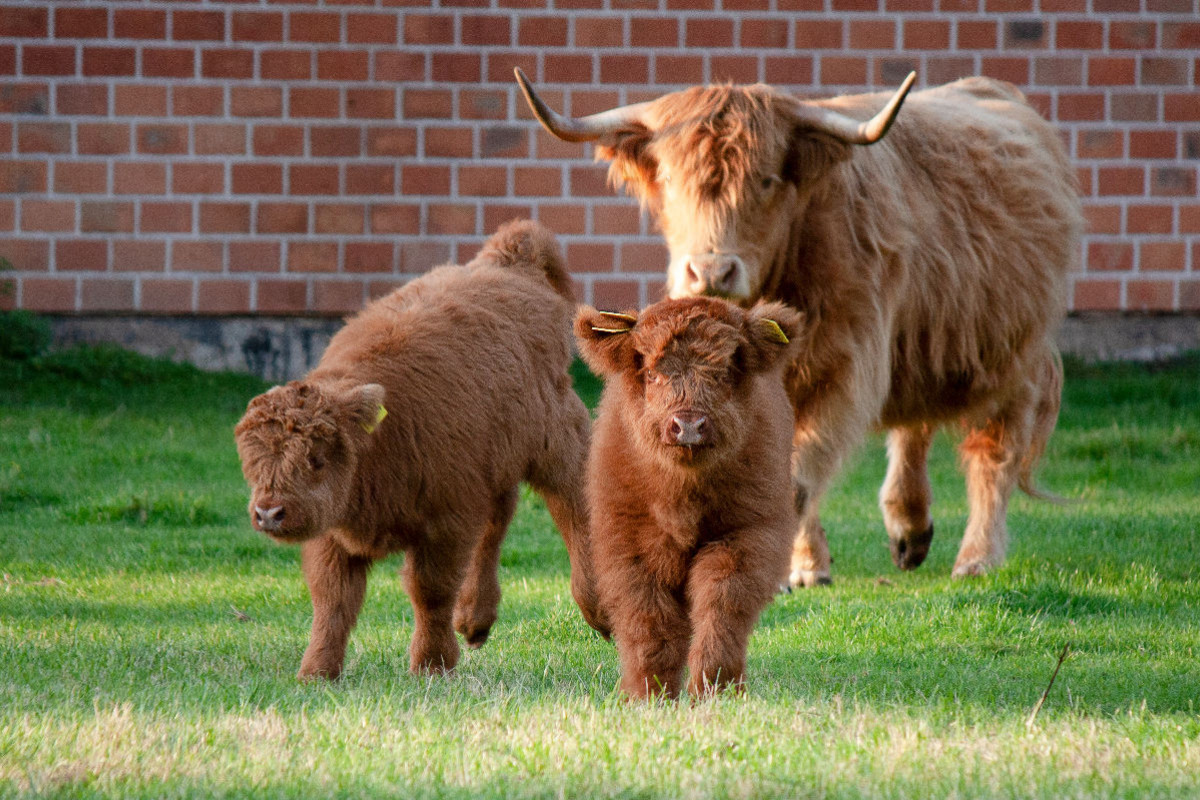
(906, 495)
(433, 573)
(337, 582)
(479, 598)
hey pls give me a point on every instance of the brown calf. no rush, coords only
(413, 432)
(688, 483)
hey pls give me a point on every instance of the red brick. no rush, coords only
(764, 33)
(616, 220)
(371, 28)
(1079, 35)
(1013, 69)
(1058, 71)
(79, 23)
(198, 25)
(342, 65)
(48, 294)
(1173, 181)
(486, 30)
(1182, 107)
(1122, 181)
(309, 102)
(139, 256)
(48, 60)
(32, 98)
(1111, 71)
(375, 179)
(312, 179)
(844, 71)
(335, 141)
(644, 257)
(81, 255)
(451, 218)
(1091, 295)
(108, 61)
(1080, 107)
(875, 34)
(285, 65)
(219, 139)
(257, 256)
(1180, 35)
(139, 23)
(590, 257)
(256, 101)
(420, 179)
(402, 67)
(424, 29)
(395, 218)
(542, 32)
(624, 69)
(47, 215)
(282, 218)
(926, 34)
(977, 34)
(106, 294)
(495, 215)
(1099, 144)
(166, 296)
(939, 69)
(1189, 222)
(170, 62)
(788, 70)
(278, 140)
(253, 26)
(162, 139)
(227, 63)
(105, 216)
(1109, 256)
(706, 33)
(480, 181)
(257, 178)
(339, 218)
(337, 297)
(85, 177)
(616, 294)
(24, 22)
(1146, 295)
(198, 101)
(1162, 256)
(165, 218)
(26, 255)
(420, 256)
(365, 257)
(197, 256)
(1189, 291)
(138, 100)
(1148, 219)
(44, 137)
(734, 69)
(8, 59)
(315, 27)
(483, 104)
(201, 177)
(1135, 107)
(281, 297)
(222, 297)
(370, 103)
(1152, 144)
(391, 141)
(312, 257)
(564, 219)
(225, 217)
(457, 68)
(139, 177)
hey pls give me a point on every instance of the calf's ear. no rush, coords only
(604, 340)
(773, 331)
(363, 406)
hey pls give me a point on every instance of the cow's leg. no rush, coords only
(337, 582)
(651, 629)
(479, 598)
(558, 476)
(906, 495)
(729, 584)
(998, 454)
(433, 573)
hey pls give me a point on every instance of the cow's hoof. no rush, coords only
(972, 569)
(808, 578)
(909, 551)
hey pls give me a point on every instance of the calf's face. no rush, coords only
(299, 445)
(686, 370)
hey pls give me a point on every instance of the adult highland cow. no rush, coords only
(931, 268)
(412, 434)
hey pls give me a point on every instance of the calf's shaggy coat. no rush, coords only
(413, 432)
(688, 484)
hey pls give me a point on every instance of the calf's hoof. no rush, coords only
(317, 674)
(474, 631)
(808, 578)
(970, 569)
(909, 551)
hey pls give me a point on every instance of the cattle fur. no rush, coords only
(690, 536)
(470, 364)
(932, 268)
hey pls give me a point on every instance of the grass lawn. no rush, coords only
(149, 638)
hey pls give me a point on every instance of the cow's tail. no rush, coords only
(1045, 417)
(531, 248)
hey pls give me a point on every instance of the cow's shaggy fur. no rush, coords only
(470, 363)
(932, 268)
(688, 484)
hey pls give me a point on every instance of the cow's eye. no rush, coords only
(770, 182)
(657, 378)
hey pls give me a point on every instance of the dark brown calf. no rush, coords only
(688, 483)
(413, 432)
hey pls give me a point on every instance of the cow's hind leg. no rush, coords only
(479, 598)
(433, 573)
(906, 495)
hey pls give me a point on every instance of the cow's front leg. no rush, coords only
(337, 582)
(906, 495)
(433, 573)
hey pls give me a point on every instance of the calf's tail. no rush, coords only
(1045, 417)
(529, 247)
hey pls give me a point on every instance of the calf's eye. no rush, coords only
(316, 462)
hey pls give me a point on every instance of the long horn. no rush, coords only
(584, 129)
(850, 130)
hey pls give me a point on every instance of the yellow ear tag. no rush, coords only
(379, 415)
(776, 332)
(632, 320)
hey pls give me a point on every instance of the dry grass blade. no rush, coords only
(1038, 707)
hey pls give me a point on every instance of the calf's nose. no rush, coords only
(689, 428)
(268, 519)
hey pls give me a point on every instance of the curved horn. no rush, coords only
(584, 129)
(850, 130)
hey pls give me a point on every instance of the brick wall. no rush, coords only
(280, 158)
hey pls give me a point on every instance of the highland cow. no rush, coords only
(929, 250)
(412, 434)
(688, 484)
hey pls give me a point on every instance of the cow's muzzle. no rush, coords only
(688, 429)
(720, 274)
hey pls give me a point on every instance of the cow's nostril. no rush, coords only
(726, 277)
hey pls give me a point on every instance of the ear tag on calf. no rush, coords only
(379, 415)
(776, 333)
(618, 318)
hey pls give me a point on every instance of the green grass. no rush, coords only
(148, 638)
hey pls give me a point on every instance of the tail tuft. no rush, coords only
(530, 247)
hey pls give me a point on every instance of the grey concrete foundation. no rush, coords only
(280, 349)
